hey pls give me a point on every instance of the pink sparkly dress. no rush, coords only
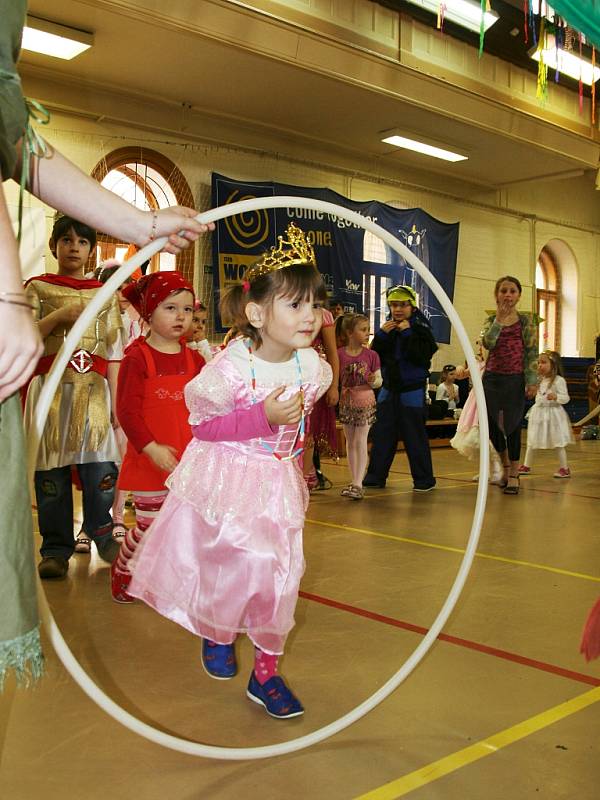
(224, 556)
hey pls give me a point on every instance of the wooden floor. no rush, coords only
(503, 706)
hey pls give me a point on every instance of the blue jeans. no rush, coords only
(401, 416)
(54, 495)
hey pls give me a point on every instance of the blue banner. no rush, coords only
(357, 266)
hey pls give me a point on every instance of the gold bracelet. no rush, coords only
(154, 224)
(16, 303)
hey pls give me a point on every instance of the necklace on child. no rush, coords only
(299, 437)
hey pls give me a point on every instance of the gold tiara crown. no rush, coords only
(296, 249)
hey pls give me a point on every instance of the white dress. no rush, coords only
(548, 423)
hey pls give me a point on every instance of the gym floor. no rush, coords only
(503, 706)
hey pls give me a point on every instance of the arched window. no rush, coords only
(149, 180)
(375, 285)
(547, 286)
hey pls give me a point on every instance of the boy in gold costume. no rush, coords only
(80, 426)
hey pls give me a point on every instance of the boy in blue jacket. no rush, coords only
(405, 345)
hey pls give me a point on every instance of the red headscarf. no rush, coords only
(147, 293)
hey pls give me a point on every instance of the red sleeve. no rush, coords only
(199, 361)
(130, 395)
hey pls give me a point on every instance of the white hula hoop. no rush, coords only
(41, 413)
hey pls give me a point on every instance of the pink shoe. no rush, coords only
(119, 581)
(523, 470)
(563, 472)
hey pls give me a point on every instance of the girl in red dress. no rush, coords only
(150, 404)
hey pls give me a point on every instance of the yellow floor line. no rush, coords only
(486, 747)
(460, 550)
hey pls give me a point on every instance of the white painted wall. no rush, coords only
(493, 240)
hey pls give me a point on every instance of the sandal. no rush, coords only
(514, 488)
(83, 544)
(355, 493)
(119, 531)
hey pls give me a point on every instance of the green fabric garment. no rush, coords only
(583, 15)
(13, 111)
(20, 648)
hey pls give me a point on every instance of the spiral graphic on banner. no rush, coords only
(250, 229)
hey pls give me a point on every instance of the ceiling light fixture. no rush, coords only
(52, 39)
(421, 147)
(566, 61)
(465, 13)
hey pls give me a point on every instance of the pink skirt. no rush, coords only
(358, 406)
(227, 557)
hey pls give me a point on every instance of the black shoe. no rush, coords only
(426, 488)
(324, 482)
(52, 567)
(512, 487)
(373, 483)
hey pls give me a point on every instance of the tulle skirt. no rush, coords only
(548, 427)
(224, 556)
(466, 439)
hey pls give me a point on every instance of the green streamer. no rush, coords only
(23, 656)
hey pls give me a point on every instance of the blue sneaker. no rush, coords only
(218, 660)
(275, 696)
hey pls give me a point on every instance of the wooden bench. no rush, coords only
(447, 422)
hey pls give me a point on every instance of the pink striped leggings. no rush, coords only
(147, 505)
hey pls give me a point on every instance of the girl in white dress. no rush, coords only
(549, 426)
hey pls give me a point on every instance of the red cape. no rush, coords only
(65, 280)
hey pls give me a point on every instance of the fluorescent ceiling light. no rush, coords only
(567, 62)
(421, 147)
(51, 39)
(463, 12)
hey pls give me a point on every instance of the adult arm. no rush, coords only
(20, 343)
(59, 183)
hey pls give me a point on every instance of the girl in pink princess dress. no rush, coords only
(224, 556)
(466, 439)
